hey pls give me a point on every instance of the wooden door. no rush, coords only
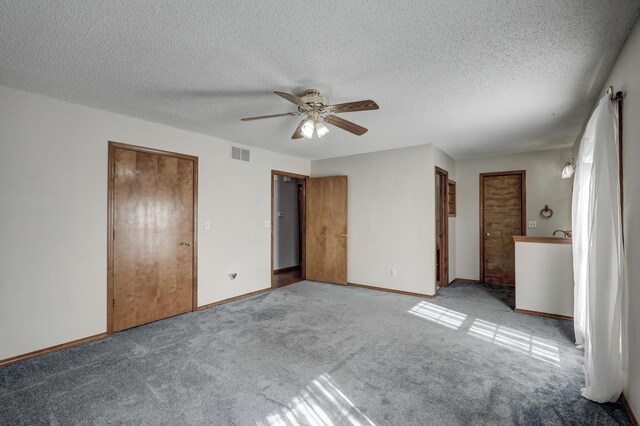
(502, 215)
(153, 238)
(326, 245)
(442, 227)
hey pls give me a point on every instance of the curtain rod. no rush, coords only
(615, 96)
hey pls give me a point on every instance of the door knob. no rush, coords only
(489, 235)
(343, 235)
(186, 243)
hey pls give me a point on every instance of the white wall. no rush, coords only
(286, 228)
(391, 216)
(626, 77)
(544, 186)
(53, 244)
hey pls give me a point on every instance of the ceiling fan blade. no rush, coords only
(292, 98)
(298, 133)
(365, 105)
(344, 124)
(261, 117)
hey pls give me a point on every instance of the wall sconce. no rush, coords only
(569, 168)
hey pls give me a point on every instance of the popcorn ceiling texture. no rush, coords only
(475, 78)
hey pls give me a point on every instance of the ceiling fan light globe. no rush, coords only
(321, 129)
(307, 129)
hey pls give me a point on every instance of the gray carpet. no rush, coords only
(315, 353)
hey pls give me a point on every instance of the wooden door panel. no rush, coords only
(326, 220)
(502, 206)
(185, 231)
(442, 227)
(153, 215)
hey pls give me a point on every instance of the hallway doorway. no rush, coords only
(288, 192)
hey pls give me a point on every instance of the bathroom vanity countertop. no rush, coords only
(549, 240)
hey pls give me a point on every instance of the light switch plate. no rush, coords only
(533, 224)
(267, 223)
(207, 225)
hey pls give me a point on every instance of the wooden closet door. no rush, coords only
(326, 216)
(502, 210)
(153, 226)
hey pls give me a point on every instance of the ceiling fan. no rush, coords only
(315, 108)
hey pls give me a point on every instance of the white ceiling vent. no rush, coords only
(241, 154)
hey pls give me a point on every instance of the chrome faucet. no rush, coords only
(567, 233)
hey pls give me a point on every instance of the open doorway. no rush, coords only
(442, 228)
(288, 235)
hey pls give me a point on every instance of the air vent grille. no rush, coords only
(240, 154)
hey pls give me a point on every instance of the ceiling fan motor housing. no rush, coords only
(314, 99)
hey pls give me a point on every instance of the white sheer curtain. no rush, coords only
(598, 256)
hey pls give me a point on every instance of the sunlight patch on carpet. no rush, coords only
(318, 404)
(439, 315)
(542, 349)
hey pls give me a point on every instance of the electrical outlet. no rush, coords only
(394, 272)
(267, 223)
(533, 224)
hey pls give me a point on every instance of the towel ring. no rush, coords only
(546, 212)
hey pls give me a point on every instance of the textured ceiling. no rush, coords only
(473, 77)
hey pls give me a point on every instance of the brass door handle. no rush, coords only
(343, 235)
(186, 243)
(489, 235)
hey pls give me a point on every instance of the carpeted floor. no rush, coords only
(315, 353)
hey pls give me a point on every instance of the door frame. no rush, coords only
(443, 176)
(302, 202)
(523, 208)
(112, 146)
